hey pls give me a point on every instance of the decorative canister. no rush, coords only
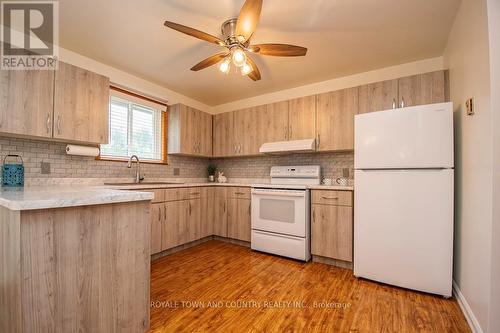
(13, 173)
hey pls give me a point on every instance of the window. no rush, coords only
(136, 127)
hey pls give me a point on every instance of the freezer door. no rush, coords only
(414, 137)
(403, 228)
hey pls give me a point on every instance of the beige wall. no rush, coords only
(130, 81)
(388, 73)
(467, 57)
(494, 36)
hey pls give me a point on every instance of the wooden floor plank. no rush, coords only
(238, 290)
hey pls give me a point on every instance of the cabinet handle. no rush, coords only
(159, 213)
(314, 216)
(194, 193)
(393, 103)
(402, 102)
(290, 132)
(59, 124)
(189, 205)
(47, 123)
(319, 142)
(286, 131)
(326, 198)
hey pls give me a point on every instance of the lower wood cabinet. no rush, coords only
(238, 214)
(183, 215)
(332, 224)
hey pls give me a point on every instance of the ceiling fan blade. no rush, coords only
(279, 50)
(193, 32)
(255, 74)
(248, 19)
(209, 61)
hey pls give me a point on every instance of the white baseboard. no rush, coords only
(469, 315)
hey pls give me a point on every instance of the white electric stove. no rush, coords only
(281, 212)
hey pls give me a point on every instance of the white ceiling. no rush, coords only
(343, 37)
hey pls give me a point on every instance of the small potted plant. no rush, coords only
(212, 168)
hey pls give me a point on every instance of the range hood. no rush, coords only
(287, 147)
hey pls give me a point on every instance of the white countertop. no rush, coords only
(51, 196)
(43, 197)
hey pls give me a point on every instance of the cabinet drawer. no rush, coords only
(238, 192)
(326, 197)
(175, 194)
(159, 195)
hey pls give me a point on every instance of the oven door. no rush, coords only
(280, 211)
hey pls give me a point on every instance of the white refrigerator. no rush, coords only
(403, 197)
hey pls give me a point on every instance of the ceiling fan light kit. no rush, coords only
(236, 35)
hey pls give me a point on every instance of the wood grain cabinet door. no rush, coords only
(302, 118)
(205, 128)
(335, 119)
(157, 221)
(26, 102)
(194, 220)
(273, 122)
(81, 105)
(223, 139)
(220, 212)
(207, 211)
(175, 224)
(238, 219)
(428, 88)
(378, 96)
(332, 231)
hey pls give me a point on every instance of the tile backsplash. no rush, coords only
(259, 167)
(34, 152)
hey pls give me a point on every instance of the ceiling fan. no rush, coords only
(236, 35)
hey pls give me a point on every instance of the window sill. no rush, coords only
(119, 159)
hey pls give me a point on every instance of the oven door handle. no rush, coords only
(279, 194)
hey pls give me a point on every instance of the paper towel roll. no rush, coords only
(82, 150)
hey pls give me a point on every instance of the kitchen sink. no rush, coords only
(142, 183)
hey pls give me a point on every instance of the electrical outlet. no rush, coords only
(45, 168)
(177, 171)
(469, 106)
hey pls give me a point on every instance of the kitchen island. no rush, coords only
(74, 259)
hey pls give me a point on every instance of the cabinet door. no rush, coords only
(332, 228)
(335, 119)
(302, 118)
(220, 212)
(205, 129)
(238, 219)
(194, 220)
(81, 105)
(428, 88)
(175, 225)
(223, 144)
(207, 211)
(157, 218)
(273, 122)
(250, 138)
(378, 96)
(26, 102)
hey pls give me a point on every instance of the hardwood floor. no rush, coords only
(218, 286)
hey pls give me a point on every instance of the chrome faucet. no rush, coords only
(138, 177)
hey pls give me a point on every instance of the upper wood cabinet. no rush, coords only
(189, 131)
(378, 96)
(335, 119)
(302, 118)
(81, 104)
(428, 88)
(273, 122)
(223, 143)
(26, 103)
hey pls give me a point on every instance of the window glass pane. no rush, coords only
(134, 130)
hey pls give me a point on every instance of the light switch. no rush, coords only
(469, 106)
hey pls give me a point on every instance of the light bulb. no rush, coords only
(239, 57)
(246, 69)
(225, 66)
